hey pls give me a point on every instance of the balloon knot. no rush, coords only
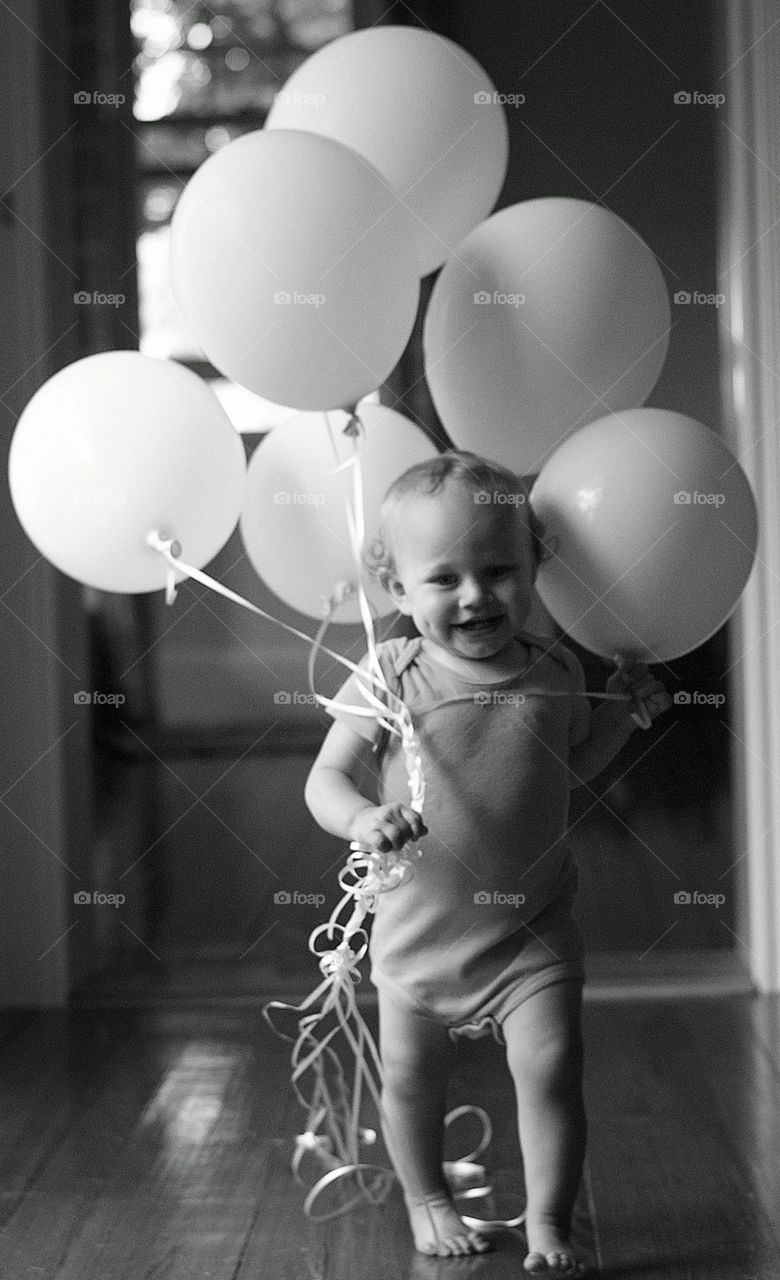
(339, 963)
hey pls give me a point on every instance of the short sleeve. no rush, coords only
(579, 725)
(367, 727)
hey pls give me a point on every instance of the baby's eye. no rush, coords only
(501, 570)
(443, 579)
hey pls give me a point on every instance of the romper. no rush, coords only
(486, 919)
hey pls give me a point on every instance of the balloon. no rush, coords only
(295, 268)
(294, 526)
(654, 528)
(114, 446)
(549, 305)
(422, 111)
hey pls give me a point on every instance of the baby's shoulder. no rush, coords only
(396, 656)
(561, 661)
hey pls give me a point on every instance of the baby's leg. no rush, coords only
(416, 1057)
(544, 1052)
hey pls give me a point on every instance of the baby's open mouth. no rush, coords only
(480, 624)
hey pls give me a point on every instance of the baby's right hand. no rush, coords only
(387, 827)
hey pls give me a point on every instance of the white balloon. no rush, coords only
(117, 445)
(294, 526)
(422, 111)
(295, 268)
(554, 313)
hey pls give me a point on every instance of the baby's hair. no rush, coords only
(455, 466)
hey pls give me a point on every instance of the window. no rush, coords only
(203, 76)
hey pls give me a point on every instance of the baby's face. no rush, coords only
(464, 571)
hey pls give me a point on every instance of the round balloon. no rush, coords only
(294, 265)
(293, 524)
(653, 526)
(422, 111)
(553, 313)
(114, 446)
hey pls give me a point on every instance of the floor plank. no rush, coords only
(672, 1192)
(156, 1143)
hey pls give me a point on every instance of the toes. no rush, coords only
(566, 1262)
(479, 1244)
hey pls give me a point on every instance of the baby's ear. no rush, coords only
(395, 588)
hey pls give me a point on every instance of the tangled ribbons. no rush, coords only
(333, 1136)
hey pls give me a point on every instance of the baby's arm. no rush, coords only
(335, 802)
(610, 728)
(611, 725)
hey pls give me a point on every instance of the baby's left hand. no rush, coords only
(633, 677)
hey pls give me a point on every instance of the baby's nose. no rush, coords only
(473, 590)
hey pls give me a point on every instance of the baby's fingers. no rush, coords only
(417, 827)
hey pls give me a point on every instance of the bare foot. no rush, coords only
(550, 1252)
(438, 1228)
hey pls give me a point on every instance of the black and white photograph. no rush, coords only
(390, 783)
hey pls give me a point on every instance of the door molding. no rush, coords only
(748, 73)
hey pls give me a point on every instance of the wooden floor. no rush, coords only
(146, 1143)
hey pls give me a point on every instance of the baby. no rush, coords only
(482, 937)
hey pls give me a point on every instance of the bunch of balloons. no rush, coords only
(297, 252)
